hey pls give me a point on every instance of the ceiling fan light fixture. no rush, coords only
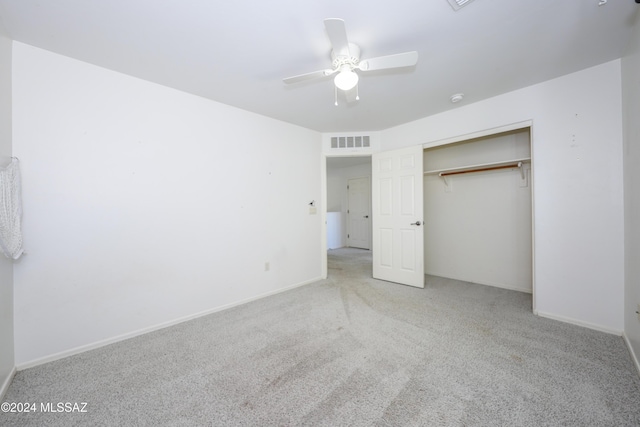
(345, 61)
(346, 80)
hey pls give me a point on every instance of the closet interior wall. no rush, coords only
(478, 225)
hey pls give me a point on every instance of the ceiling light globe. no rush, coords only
(346, 80)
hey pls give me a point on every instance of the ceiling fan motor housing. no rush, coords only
(351, 58)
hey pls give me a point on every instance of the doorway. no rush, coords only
(348, 203)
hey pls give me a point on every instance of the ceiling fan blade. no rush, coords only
(406, 59)
(337, 35)
(308, 76)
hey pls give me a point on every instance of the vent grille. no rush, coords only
(342, 142)
(458, 4)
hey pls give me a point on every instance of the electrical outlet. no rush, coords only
(267, 266)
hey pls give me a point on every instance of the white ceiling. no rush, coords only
(237, 52)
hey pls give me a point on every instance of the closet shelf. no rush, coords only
(479, 167)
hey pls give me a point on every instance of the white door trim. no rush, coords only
(480, 134)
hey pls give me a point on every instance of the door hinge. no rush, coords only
(348, 211)
(348, 237)
(347, 187)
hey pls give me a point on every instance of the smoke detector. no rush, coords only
(458, 4)
(457, 97)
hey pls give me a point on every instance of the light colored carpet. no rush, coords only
(349, 350)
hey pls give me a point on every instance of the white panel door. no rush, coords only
(397, 216)
(359, 223)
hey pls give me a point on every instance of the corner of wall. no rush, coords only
(634, 356)
(7, 356)
(7, 382)
(630, 70)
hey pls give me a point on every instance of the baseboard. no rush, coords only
(7, 383)
(634, 357)
(579, 323)
(495, 285)
(105, 342)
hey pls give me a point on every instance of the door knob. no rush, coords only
(366, 216)
(416, 223)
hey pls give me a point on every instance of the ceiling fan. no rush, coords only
(346, 61)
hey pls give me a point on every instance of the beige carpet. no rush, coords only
(349, 350)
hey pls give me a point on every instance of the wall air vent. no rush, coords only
(458, 4)
(350, 142)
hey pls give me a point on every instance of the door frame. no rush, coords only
(501, 129)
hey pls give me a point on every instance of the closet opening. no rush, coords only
(478, 220)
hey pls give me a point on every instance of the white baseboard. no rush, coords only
(105, 342)
(579, 323)
(634, 356)
(495, 285)
(7, 383)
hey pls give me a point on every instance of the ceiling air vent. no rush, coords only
(350, 142)
(458, 4)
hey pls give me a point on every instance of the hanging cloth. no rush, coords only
(10, 211)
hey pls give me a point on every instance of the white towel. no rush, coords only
(10, 211)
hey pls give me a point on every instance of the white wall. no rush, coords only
(335, 192)
(478, 225)
(6, 266)
(337, 195)
(335, 230)
(144, 205)
(631, 108)
(577, 185)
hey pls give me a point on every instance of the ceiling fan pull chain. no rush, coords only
(335, 92)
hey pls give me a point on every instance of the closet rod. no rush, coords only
(509, 166)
